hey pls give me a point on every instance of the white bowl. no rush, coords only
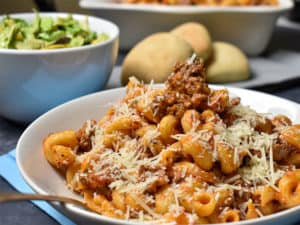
(45, 180)
(249, 27)
(33, 81)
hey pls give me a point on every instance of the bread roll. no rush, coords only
(228, 64)
(154, 57)
(197, 36)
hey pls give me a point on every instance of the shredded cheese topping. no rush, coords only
(132, 164)
(242, 136)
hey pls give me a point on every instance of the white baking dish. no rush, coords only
(249, 27)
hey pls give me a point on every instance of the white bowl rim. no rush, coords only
(89, 214)
(284, 5)
(61, 50)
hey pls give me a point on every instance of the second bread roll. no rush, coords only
(228, 64)
(197, 36)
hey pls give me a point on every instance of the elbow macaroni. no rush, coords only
(200, 153)
(289, 186)
(58, 148)
(230, 216)
(226, 157)
(153, 161)
(204, 203)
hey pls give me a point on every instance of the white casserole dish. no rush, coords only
(248, 27)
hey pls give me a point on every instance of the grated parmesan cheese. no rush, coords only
(146, 207)
(192, 59)
(241, 136)
(247, 114)
(125, 160)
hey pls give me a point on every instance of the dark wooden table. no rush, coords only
(25, 213)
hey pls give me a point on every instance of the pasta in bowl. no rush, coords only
(183, 153)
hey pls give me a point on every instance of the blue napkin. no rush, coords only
(10, 172)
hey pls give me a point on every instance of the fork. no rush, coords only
(8, 197)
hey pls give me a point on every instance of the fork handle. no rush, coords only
(8, 197)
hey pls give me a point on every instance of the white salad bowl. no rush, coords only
(44, 179)
(248, 27)
(34, 81)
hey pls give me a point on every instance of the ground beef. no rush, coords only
(281, 150)
(280, 121)
(188, 79)
(185, 89)
(84, 137)
(234, 101)
(97, 181)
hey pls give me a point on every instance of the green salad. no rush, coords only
(47, 33)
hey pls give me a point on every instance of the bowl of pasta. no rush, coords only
(179, 153)
(244, 23)
(49, 58)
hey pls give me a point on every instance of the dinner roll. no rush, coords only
(197, 36)
(154, 57)
(228, 64)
